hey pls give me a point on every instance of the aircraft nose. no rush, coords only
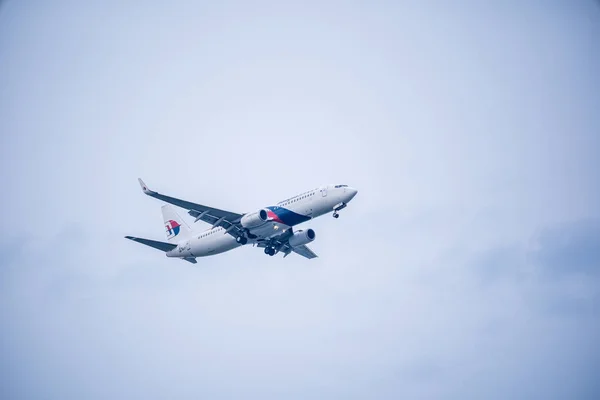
(350, 193)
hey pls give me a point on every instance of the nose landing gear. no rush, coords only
(241, 240)
(337, 208)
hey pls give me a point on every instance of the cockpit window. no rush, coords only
(340, 186)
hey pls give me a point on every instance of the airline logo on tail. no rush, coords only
(173, 228)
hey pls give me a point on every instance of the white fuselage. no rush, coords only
(285, 214)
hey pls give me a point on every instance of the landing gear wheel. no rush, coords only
(336, 215)
(241, 240)
(267, 251)
(272, 252)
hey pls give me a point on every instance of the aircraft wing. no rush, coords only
(304, 251)
(211, 215)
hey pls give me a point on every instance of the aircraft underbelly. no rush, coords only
(208, 246)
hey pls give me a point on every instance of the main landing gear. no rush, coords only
(270, 251)
(241, 240)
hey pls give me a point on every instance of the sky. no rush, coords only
(467, 267)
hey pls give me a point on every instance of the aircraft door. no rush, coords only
(324, 191)
(309, 206)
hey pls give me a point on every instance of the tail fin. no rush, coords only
(176, 228)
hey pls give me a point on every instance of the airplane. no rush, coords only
(270, 228)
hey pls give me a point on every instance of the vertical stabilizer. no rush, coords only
(175, 227)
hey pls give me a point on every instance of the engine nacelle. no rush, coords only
(300, 238)
(254, 219)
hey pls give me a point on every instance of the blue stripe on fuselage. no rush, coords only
(288, 217)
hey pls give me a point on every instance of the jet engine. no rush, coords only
(254, 219)
(301, 237)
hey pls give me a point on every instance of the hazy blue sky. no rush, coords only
(467, 267)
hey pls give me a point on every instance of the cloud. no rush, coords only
(569, 248)
(346, 327)
(556, 271)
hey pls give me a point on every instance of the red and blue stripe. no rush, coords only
(285, 216)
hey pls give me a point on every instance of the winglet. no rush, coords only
(144, 187)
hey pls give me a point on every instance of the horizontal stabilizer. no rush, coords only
(153, 243)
